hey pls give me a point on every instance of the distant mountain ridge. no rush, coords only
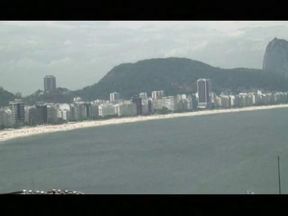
(178, 75)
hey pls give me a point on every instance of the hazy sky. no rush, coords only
(81, 53)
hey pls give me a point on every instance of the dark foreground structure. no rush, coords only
(52, 192)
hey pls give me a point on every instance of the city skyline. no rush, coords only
(18, 114)
(81, 53)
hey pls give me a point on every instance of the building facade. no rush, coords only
(138, 103)
(157, 94)
(143, 95)
(204, 89)
(52, 114)
(18, 111)
(37, 115)
(106, 110)
(49, 83)
(6, 118)
(114, 97)
(126, 108)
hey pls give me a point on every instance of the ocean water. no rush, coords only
(215, 154)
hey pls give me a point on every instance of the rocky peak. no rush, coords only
(276, 57)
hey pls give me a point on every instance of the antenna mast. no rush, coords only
(279, 177)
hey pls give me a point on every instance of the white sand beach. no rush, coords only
(8, 134)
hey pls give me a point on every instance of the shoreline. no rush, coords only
(8, 134)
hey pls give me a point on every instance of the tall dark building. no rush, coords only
(18, 112)
(87, 110)
(204, 88)
(49, 83)
(38, 114)
(194, 101)
(150, 107)
(43, 113)
(138, 102)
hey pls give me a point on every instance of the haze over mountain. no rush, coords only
(276, 57)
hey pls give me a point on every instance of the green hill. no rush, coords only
(61, 95)
(178, 75)
(5, 97)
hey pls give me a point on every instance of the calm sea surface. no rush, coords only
(224, 153)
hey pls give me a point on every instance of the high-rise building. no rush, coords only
(150, 106)
(94, 110)
(194, 101)
(64, 112)
(204, 88)
(114, 97)
(18, 112)
(157, 94)
(49, 83)
(42, 110)
(51, 114)
(126, 108)
(138, 102)
(143, 95)
(147, 106)
(6, 118)
(170, 102)
(38, 114)
(106, 110)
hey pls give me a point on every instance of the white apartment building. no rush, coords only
(170, 102)
(143, 95)
(114, 97)
(94, 110)
(158, 104)
(79, 110)
(183, 102)
(157, 94)
(232, 100)
(6, 117)
(26, 114)
(217, 101)
(64, 112)
(147, 107)
(106, 109)
(189, 102)
(225, 101)
(51, 114)
(126, 108)
(173, 103)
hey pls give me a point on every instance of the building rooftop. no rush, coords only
(49, 76)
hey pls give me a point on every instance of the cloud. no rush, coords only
(80, 53)
(67, 42)
(62, 61)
